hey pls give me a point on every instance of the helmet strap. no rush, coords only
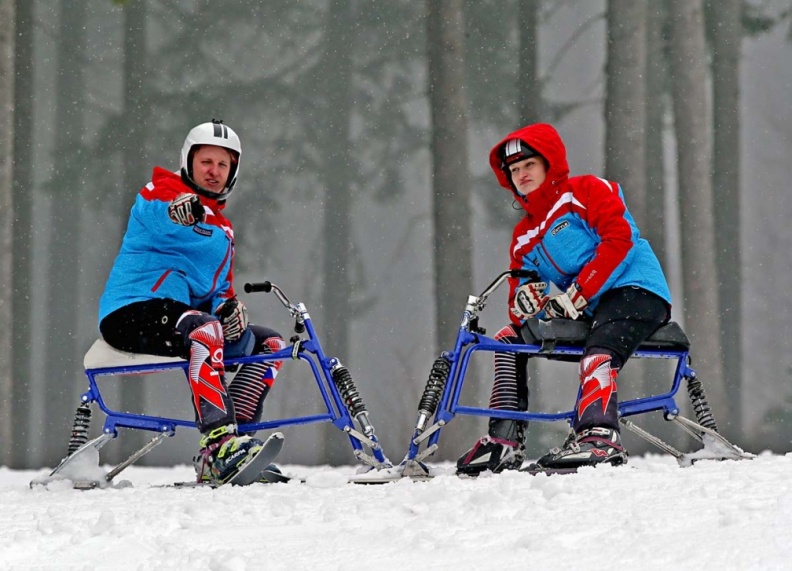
(198, 189)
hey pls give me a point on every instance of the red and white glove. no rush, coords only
(186, 209)
(570, 304)
(529, 300)
(233, 317)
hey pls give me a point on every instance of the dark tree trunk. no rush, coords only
(688, 69)
(453, 244)
(653, 228)
(22, 342)
(625, 119)
(529, 86)
(337, 232)
(7, 381)
(726, 32)
(133, 121)
(338, 204)
(63, 354)
(625, 103)
(531, 110)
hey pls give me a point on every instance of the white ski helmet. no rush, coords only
(219, 135)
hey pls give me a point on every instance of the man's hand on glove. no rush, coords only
(570, 304)
(233, 317)
(529, 300)
(186, 209)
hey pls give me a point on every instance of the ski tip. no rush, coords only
(275, 442)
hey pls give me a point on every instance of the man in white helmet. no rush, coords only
(170, 292)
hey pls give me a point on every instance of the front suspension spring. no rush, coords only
(701, 407)
(346, 388)
(434, 386)
(80, 428)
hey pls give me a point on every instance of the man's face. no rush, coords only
(528, 174)
(211, 167)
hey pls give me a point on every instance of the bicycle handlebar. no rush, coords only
(266, 287)
(530, 274)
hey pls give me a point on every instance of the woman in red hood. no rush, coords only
(170, 292)
(578, 235)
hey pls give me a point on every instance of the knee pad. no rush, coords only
(190, 320)
(597, 405)
(616, 359)
(508, 334)
(204, 336)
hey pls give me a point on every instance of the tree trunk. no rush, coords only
(338, 197)
(625, 103)
(653, 228)
(726, 31)
(529, 85)
(531, 105)
(338, 204)
(688, 68)
(22, 342)
(133, 395)
(625, 122)
(63, 365)
(453, 241)
(7, 19)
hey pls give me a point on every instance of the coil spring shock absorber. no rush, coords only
(701, 407)
(434, 388)
(351, 397)
(80, 427)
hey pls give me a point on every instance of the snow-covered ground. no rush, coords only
(650, 514)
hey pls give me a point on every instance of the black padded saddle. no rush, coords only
(570, 333)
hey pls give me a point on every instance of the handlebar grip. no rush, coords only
(522, 273)
(299, 327)
(266, 287)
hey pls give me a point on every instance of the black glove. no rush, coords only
(233, 317)
(186, 209)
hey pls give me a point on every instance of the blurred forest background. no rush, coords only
(365, 192)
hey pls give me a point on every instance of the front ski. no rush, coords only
(535, 470)
(271, 475)
(250, 473)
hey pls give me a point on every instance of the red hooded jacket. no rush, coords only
(576, 229)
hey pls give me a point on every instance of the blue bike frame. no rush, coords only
(308, 350)
(469, 342)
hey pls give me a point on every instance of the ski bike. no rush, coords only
(560, 340)
(340, 397)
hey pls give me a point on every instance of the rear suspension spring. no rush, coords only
(701, 407)
(346, 388)
(80, 428)
(434, 386)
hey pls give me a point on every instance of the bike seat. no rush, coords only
(101, 355)
(571, 333)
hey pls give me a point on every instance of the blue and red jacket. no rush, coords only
(162, 259)
(576, 229)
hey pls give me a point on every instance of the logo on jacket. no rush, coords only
(560, 227)
(202, 231)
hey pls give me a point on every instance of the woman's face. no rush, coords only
(211, 167)
(528, 174)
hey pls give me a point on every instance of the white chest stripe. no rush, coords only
(606, 183)
(565, 198)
